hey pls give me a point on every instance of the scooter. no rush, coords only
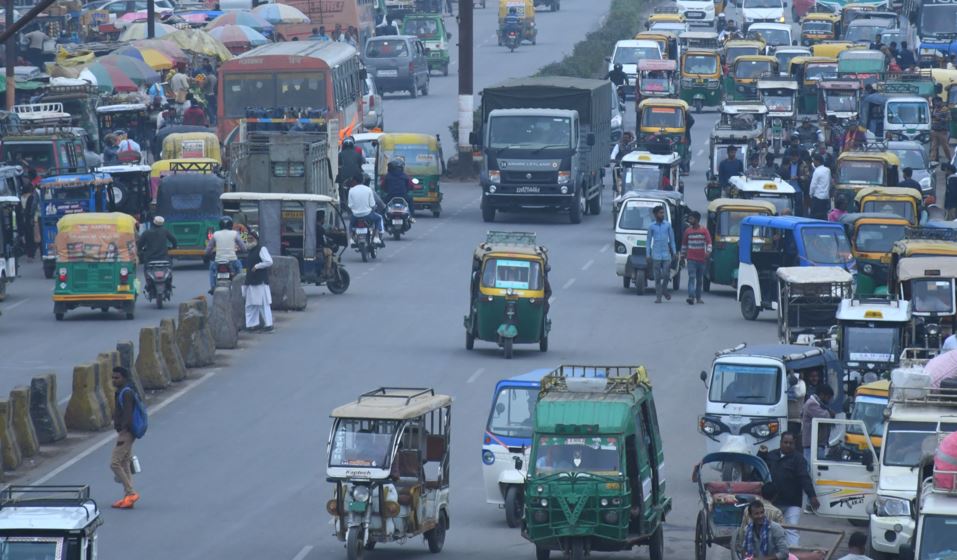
(397, 217)
(511, 40)
(363, 239)
(159, 282)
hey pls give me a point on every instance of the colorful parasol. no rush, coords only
(238, 36)
(280, 13)
(241, 18)
(152, 57)
(138, 16)
(199, 42)
(138, 31)
(107, 78)
(137, 70)
(165, 46)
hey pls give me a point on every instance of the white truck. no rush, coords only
(56, 522)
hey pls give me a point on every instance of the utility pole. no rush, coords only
(466, 101)
(11, 56)
(150, 16)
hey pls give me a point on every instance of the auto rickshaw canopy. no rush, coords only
(524, 8)
(96, 237)
(831, 49)
(659, 113)
(889, 192)
(652, 65)
(393, 403)
(814, 275)
(723, 204)
(191, 145)
(741, 47)
(909, 248)
(926, 267)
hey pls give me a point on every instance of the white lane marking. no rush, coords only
(604, 248)
(701, 151)
(588, 265)
(108, 438)
(568, 284)
(15, 305)
(303, 553)
(475, 375)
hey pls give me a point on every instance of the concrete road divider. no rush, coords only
(150, 364)
(22, 424)
(47, 420)
(12, 458)
(127, 359)
(193, 337)
(83, 412)
(174, 360)
(104, 384)
(237, 301)
(286, 285)
(222, 321)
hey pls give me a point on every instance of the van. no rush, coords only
(398, 63)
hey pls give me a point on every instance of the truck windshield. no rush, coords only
(530, 131)
(360, 442)
(870, 344)
(905, 442)
(742, 384)
(878, 238)
(558, 454)
(826, 246)
(28, 548)
(513, 412)
(937, 18)
(938, 537)
(512, 273)
(912, 112)
(932, 296)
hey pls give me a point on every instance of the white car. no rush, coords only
(372, 109)
(762, 11)
(774, 34)
(628, 52)
(697, 12)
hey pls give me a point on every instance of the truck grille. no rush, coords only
(529, 176)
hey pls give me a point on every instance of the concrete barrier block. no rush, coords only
(44, 412)
(174, 360)
(193, 337)
(237, 302)
(83, 412)
(202, 303)
(285, 284)
(222, 321)
(127, 359)
(22, 424)
(150, 365)
(12, 458)
(104, 383)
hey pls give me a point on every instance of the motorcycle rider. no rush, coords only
(222, 247)
(722, 22)
(155, 242)
(512, 22)
(809, 134)
(619, 79)
(397, 184)
(350, 165)
(362, 204)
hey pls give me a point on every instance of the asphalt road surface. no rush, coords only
(235, 468)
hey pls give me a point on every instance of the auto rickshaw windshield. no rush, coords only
(902, 208)
(814, 72)
(638, 215)
(512, 273)
(826, 246)
(784, 58)
(752, 68)
(741, 384)
(562, 454)
(907, 112)
(779, 103)
(513, 413)
(700, 64)
(423, 28)
(930, 295)
(631, 55)
(840, 101)
(188, 204)
(662, 117)
(529, 132)
(870, 344)
(878, 238)
(362, 442)
(729, 223)
(732, 53)
(860, 172)
(780, 202)
(870, 411)
(642, 178)
(654, 80)
(418, 158)
(816, 27)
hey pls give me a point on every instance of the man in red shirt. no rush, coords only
(195, 115)
(696, 249)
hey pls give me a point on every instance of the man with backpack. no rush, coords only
(129, 420)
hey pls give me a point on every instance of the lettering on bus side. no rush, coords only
(253, 61)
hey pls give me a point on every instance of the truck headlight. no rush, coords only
(564, 190)
(887, 506)
(360, 493)
(494, 176)
(491, 189)
(564, 177)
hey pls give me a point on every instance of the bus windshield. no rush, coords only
(558, 454)
(741, 384)
(513, 413)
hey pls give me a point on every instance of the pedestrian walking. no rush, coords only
(940, 130)
(696, 250)
(256, 288)
(790, 474)
(816, 406)
(660, 248)
(29, 203)
(950, 191)
(856, 547)
(820, 189)
(122, 456)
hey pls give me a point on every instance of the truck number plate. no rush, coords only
(528, 189)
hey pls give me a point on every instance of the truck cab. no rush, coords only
(49, 522)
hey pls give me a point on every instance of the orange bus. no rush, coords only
(317, 75)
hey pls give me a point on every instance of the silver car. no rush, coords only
(398, 63)
(913, 155)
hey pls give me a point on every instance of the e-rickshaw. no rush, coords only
(422, 154)
(742, 81)
(526, 11)
(704, 40)
(131, 189)
(135, 119)
(773, 189)
(741, 125)
(820, 26)
(189, 202)
(734, 48)
(701, 80)
(165, 167)
(870, 335)
(724, 224)
(389, 459)
(858, 170)
(632, 263)
(509, 292)
(779, 96)
(903, 202)
(785, 55)
(430, 29)
(784, 241)
(839, 99)
(595, 481)
(655, 78)
(192, 145)
(641, 171)
(928, 283)
(96, 263)
(290, 224)
(808, 298)
(872, 237)
(863, 65)
(808, 71)
(668, 119)
(69, 194)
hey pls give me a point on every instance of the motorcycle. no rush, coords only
(776, 135)
(512, 40)
(337, 279)
(159, 282)
(224, 275)
(363, 239)
(397, 217)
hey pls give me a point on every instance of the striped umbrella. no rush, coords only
(138, 31)
(153, 58)
(280, 13)
(238, 36)
(107, 78)
(135, 69)
(241, 18)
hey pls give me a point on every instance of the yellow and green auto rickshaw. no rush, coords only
(859, 170)
(819, 26)
(872, 237)
(734, 48)
(667, 42)
(903, 202)
(701, 78)
(808, 71)
(509, 292)
(192, 145)
(189, 202)
(742, 82)
(164, 167)
(422, 155)
(831, 49)
(666, 119)
(526, 11)
(95, 263)
(724, 225)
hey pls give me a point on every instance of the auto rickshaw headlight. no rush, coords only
(488, 457)
(611, 517)
(360, 493)
(764, 430)
(564, 177)
(708, 427)
(540, 516)
(604, 502)
(616, 501)
(620, 248)
(332, 506)
(540, 489)
(543, 502)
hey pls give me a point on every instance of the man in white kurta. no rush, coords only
(256, 288)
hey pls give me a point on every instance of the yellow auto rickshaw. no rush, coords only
(742, 80)
(701, 78)
(192, 145)
(903, 202)
(831, 49)
(872, 236)
(666, 119)
(860, 170)
(526, 11)
(818, 26)
(808, 71)
(667, 42)
(424, 164)
(165, 167)
(740, 47)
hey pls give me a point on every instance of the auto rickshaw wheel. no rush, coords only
(543, 344)
(3, 288)
(436, 536)
(594, 204)
(469, 339)
(436, 211)
(507, 348)
(59, 316)
(513, 506)
(701, 536)
(640, 282)
(698, 105)
(542, 553)
(354, 544)
(626, 282)
(340, 282)
(396, 235)
(749, 308)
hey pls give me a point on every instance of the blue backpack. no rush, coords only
(140, 418)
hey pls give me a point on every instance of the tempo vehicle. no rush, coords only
(49, 521)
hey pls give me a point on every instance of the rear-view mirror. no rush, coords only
(473, 139)
(704, 376)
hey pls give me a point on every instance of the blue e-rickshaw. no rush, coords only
(769, 242)
(69, 194)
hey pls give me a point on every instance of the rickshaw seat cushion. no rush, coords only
(715, 488)
(434, 448)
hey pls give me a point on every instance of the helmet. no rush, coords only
(722, 16)
(512, 11)
(348, 142)
(225, 223)
(618, 66)
(396, 164)
(159, 220)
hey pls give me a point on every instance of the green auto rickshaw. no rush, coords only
(595, 479)
(872, 236)
(724, 224)
(701, 80)
(509, 292)
(189, 202)
(95, 263)
(423, 159)
(430, 29)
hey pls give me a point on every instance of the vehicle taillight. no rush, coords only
(411, 68)
(62, 275)
(124, 275)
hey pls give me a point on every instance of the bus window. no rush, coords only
(248, 90)
(301, 90)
